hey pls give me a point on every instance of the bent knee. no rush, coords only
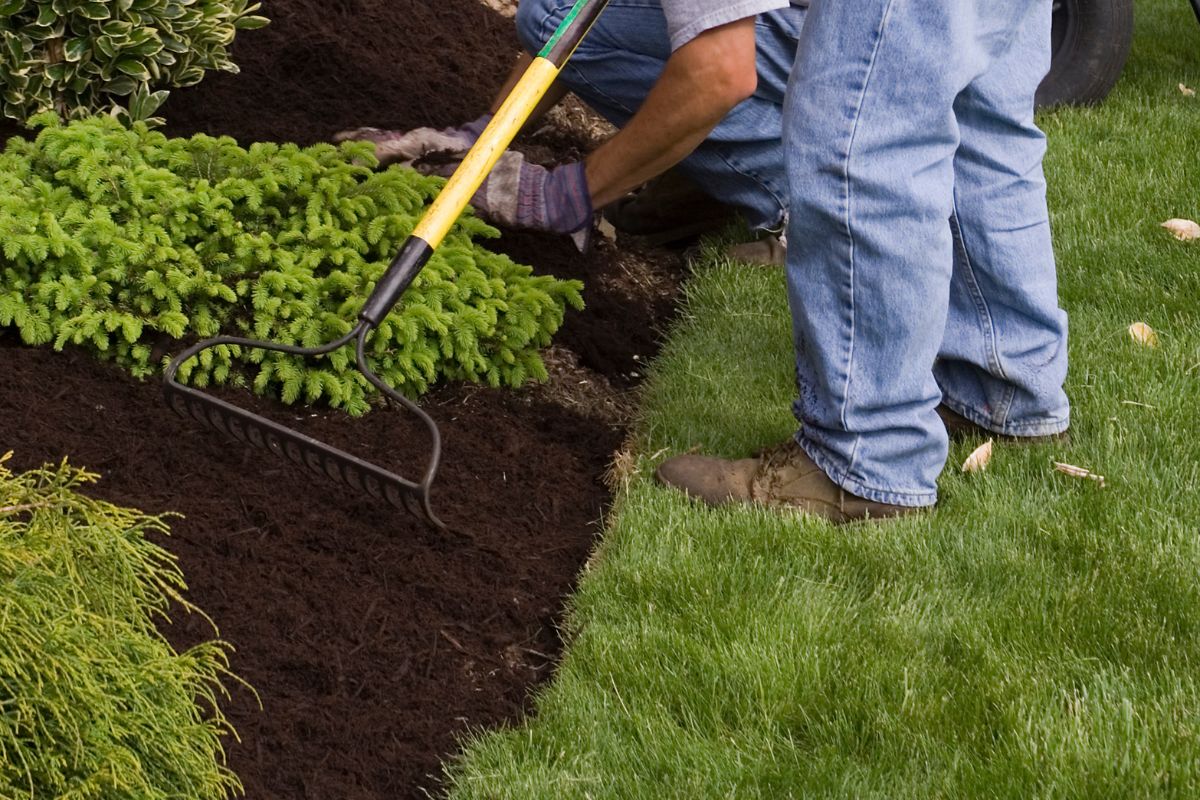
(536, 20)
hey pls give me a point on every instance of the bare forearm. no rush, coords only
(702, 81)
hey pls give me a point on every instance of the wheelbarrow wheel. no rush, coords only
(1090, 42)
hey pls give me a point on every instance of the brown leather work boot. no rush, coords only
(959, 428)
(782, 476)
(769, 251)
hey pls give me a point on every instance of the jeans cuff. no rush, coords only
(1038, 427)
(839, 475)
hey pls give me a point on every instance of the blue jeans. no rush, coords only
(920, 267)
(620, 59)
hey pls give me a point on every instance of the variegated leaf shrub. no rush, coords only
(121, 57)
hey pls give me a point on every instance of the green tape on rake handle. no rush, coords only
(302, 450)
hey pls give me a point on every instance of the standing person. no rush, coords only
(920, 272)
(701, 85)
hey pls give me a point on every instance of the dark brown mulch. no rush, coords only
(372, 640)
(325, 65)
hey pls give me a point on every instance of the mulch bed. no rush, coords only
(372, 640)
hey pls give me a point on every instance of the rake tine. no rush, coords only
(431, 427)
(304, 451)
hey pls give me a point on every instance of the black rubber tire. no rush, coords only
(1090, 44)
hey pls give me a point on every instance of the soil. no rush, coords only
(373, 641)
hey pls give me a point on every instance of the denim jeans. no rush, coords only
(620, 59)
(920, 267)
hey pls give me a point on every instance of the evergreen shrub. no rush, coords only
(125, 242)
(79, 57)
(94, 703)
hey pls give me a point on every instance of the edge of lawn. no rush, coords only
(1037, 636)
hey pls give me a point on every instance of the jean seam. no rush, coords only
(848, 203)
(977, 298)
(1001, 409)
(1004, 406)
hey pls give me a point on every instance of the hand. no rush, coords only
(523, 195)
(406, 147)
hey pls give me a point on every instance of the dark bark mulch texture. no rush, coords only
(327, 65)
(372, 641)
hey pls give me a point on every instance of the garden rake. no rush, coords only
(324, 459)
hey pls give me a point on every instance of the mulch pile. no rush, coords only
(372, 641)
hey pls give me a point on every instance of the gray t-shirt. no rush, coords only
(686, 19)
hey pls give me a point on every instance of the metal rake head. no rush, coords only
(303, 450)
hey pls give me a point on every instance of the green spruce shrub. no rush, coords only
(94, 703)
(128, 243)
(80, 57)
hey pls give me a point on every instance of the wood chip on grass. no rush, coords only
(1079, 472)
(1143, 334)
(1185, 230)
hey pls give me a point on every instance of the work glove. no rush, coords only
(518, 194)
(407, 147)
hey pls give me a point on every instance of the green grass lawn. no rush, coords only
(1036, 637)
